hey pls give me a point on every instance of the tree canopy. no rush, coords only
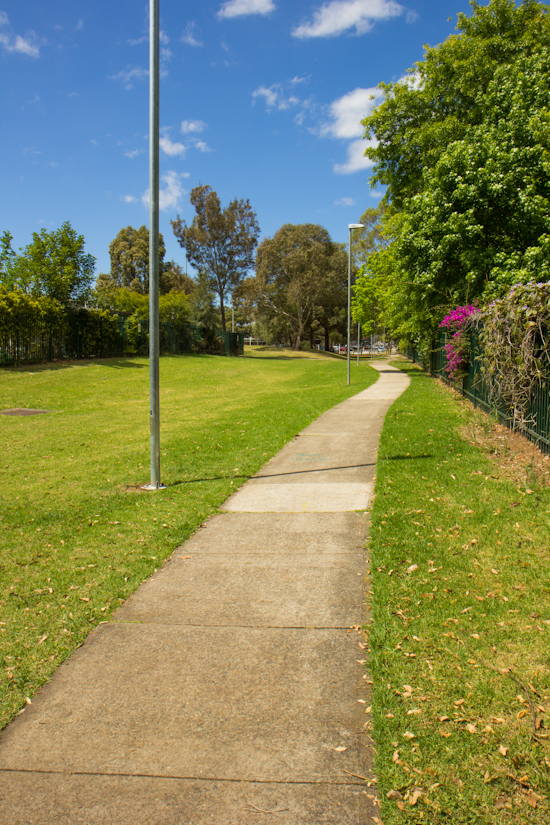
(220, 243)
(129, 253)
(463, 148)
(294, 272)
(54, 265)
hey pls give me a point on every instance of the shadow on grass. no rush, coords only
(53, 366)
(404, 457)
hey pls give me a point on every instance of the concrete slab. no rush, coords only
(35, 799)
(266, 705)
(318, 457)
(272, 535)
(252, 591)
(299, 497)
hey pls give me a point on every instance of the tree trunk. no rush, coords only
(327, 342)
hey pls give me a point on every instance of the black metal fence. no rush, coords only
(95, 334)
(475, 387)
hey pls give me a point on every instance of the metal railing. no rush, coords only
(475, 387)
(95, 334)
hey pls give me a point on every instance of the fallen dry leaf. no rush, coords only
(415, 796)
(340, 749)
(503, 750)
(394, 795)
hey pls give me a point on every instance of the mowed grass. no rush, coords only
(77, 532)
(460, 654)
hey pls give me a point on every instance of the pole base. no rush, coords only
(153, 487)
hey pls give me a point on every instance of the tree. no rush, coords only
(219, 243)
(330, 311)
(369, 290)
(204, 311)
(53, 265)
(129, 253)
(174, 279)
(443, 93)
(463, 151)
(292, 272)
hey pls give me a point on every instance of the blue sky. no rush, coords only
(260, 99)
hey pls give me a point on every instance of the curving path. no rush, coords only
(228, 689)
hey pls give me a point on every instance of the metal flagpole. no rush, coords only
(154, 242)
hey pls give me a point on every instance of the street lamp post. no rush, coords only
(154, 415)
(350, 227)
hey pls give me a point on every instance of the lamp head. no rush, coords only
(356, 226)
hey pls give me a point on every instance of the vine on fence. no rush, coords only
(516, 347)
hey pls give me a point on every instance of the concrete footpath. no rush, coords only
(229, 688)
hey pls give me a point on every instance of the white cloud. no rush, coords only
(128, 75)
(11, 42)
(346, 114)
(357, 162)
(138, 41)
(170, 148)
(348, 111)
(345, 202)
(338, 16)
(35, 101)
(130, 198)
(170, 194)
(133, 153)
(200, 144)
(412, 16)
(236, 8)
(274, 97)
(192, 126)
(80, 25)
(191, 35)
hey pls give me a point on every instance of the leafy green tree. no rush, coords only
(220, 243)
(294, 270)
(442, 96)
(53, 265)
(7, 253)
(330, 311)
(129, 253)
(204, 312)
(464, 152)
(174, 308)
(174, 279)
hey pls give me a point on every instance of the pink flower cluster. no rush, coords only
(457, 349)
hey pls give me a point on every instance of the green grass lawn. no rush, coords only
(77, 533)
(460, 654)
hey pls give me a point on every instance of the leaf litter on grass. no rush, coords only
(461, 615)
